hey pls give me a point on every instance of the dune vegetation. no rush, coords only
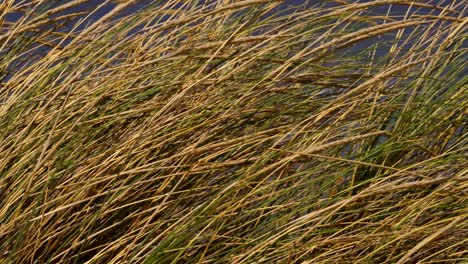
(233, 131)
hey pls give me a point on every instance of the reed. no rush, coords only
(230, 131)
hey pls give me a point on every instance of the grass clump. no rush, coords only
(250, 131)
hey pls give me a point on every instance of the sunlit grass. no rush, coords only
(233, 132)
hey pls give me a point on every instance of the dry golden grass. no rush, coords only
(234, 132)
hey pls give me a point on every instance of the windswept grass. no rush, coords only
(234, 132)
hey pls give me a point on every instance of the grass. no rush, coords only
(234, 132)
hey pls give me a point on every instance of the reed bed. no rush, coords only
(252, 131)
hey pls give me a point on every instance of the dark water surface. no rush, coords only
(99, 8)
(93, 10)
